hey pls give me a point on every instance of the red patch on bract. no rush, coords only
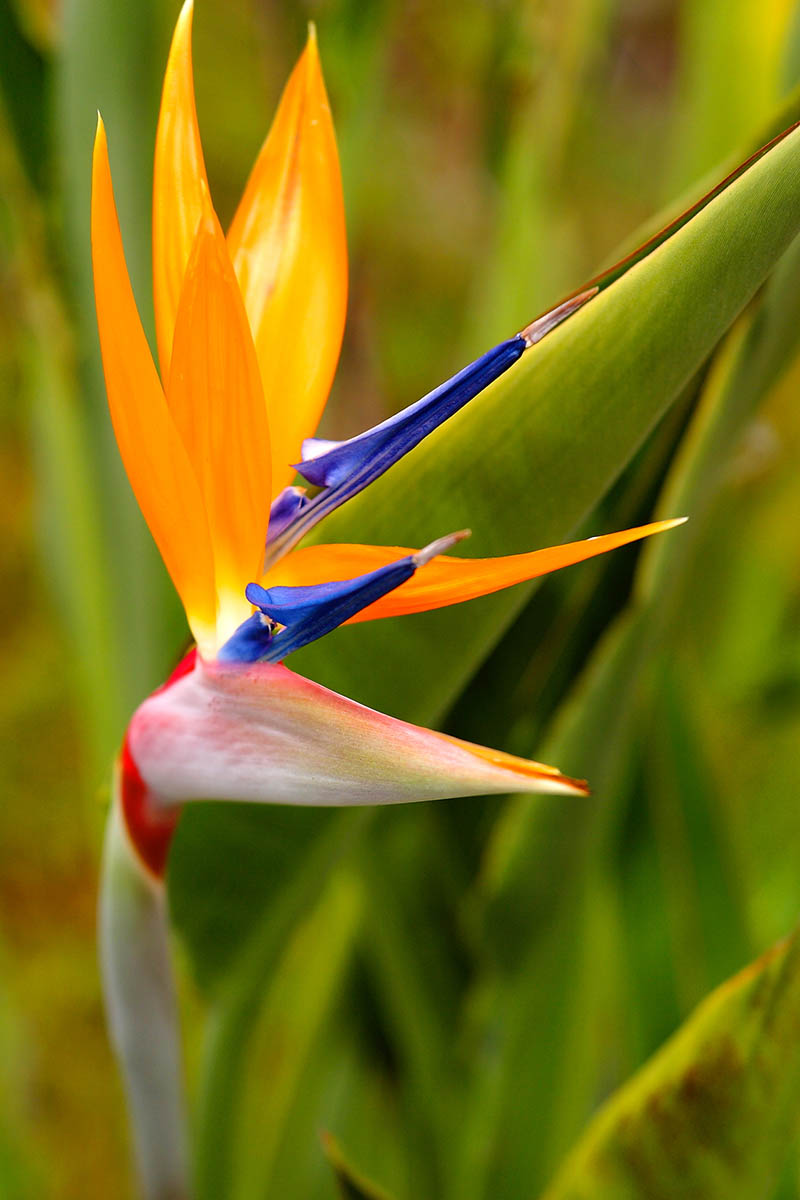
(150, 831)
(149, 828)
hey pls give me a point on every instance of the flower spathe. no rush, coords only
(249, 326)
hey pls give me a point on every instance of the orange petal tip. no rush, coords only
(186, 13)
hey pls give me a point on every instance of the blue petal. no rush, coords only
(309, 612)
(358, 461)
(249, 643)
(285, 507)
(345, 468)
(342, 469)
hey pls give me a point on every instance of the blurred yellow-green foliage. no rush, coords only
(494, 156)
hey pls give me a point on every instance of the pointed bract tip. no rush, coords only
(440, 546)
(570, 786)
(578, 787)
(311, 40)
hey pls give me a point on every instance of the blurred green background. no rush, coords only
(494, 157)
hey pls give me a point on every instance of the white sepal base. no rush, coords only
(141, 1011)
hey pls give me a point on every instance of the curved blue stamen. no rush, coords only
(309, 612)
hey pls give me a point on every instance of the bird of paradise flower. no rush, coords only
(249, 328)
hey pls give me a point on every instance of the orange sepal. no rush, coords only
(288, 246)
(445, 580)
(155, 459)
(180, 184)
(217, 404)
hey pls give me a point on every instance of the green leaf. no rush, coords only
(416, 981)
(546, 862)
(523, 465)
(712, 1113)
(228, 869)
(527, 460)
(293, 1027)
(352, 1186)
(747, 365)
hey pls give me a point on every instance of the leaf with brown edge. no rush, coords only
(712, 1113)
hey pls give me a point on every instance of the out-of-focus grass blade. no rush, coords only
(352, 1185)
(529, 1005)
(529, 259)
(69, 514)
(713, 1112)
(785, 114)
(22, 1174)
(112, 58)
(295, 1016)
(24, 85)
(258, 859)
(703, 879)
(417, 981)
(729, 75)
(233, 873)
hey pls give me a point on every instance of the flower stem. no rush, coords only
(141, 1012)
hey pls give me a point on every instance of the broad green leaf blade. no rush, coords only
(530, 457)
(540, 856)
(352, 1185)
(712, 1113)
